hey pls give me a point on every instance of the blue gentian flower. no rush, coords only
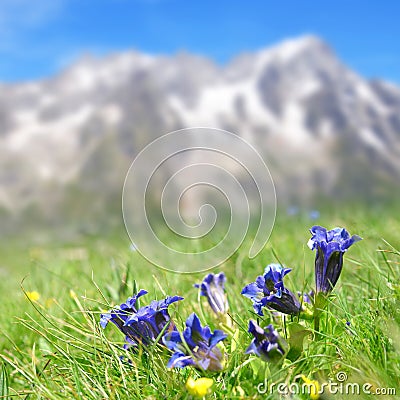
(119, 315)
(197, 347)
(267, 343)
(330, 246)
(268, 290)
(292, 210)
(307, 298)
(141, 325)
(213, 287)
(314, 214)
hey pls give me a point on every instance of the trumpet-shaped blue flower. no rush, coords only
(314, 214)
(141, 325)
(268, 291)
(197, 347)
(330, 246)
(267, 343)
(213, 287)
(307, 298)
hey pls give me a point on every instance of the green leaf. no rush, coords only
(258, 366)
(297, 334)
(3, 382)
(235, 340)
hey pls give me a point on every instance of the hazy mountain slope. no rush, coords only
(319, 125)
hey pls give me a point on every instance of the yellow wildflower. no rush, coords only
(313, 387)
(49, 302)
(200, 387)
(33, 296)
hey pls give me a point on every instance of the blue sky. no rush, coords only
(38, 38)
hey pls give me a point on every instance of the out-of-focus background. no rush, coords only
(314, 86)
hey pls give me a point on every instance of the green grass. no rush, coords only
(55, 348)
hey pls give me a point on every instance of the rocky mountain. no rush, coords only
(66, 142)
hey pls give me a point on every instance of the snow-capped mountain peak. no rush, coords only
(294, 101)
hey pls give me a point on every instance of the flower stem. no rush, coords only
(319, 304)
(316, 322)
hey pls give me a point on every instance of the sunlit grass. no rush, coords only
(53, 347)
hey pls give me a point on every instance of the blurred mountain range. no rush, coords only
(66, 142)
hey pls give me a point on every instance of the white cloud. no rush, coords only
(17, 17)
(27, 12)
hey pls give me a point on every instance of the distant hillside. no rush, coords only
(66, 142)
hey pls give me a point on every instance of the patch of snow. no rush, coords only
(46, 100)
(306, 88)
(372, 139)
(390, 86)
(28, 88)
(326, 128)
(293, 123)
(219, 100)
(31, 129)
(111, 114)
(45, 171)
(26, 117)
(368, 95)
(286, 50)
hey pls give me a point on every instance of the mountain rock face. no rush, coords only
(66, 142)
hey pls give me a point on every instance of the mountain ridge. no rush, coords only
(294, 101)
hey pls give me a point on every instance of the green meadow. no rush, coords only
(52, 346)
